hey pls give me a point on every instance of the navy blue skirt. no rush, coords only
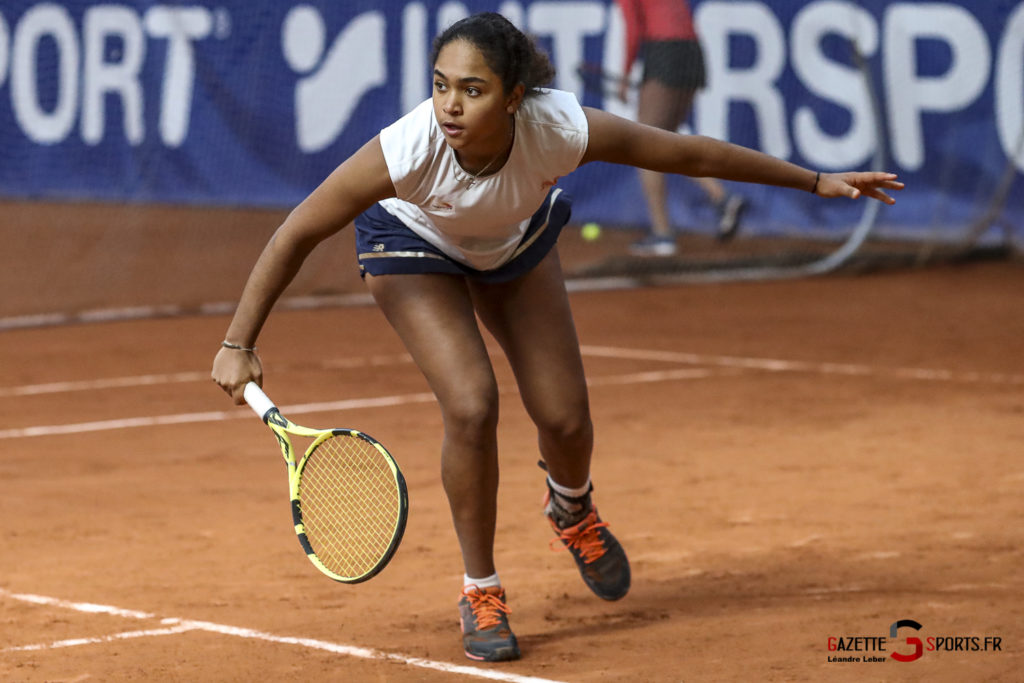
(385, 246)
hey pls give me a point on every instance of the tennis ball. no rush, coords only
(590, 231)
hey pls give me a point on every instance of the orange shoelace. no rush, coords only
(487, 607)
(587, 542)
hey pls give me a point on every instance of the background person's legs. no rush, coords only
(666, 107)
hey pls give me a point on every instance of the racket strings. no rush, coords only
(351, 504)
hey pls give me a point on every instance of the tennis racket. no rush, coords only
(348, 497)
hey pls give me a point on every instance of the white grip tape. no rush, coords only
(257, 400)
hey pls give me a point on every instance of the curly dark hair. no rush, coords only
(509, 52)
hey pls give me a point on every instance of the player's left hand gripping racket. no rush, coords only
(349, 499)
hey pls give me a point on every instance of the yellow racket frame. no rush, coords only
(283, 429)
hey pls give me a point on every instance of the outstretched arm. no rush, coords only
(620, 141)
(349, 190)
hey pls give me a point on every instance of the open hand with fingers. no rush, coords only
(853, 184)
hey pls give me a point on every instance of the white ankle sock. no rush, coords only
(491, 581)
(566, 491)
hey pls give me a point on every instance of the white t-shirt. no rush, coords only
(481, 224)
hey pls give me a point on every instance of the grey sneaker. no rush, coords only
(599, 556)
(483, 615)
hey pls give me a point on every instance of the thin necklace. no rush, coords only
(474, 177)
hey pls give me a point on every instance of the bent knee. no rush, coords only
(566, 426)
(470, 414)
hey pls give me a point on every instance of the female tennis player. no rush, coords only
(457, 210)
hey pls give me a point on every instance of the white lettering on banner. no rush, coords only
(568, 24)
(754, 84)
(60, 75)
(513, 11)
(103, 73)
(180, 26)
(120, 76)
(415, 48)
(54, 22)
(910, 94)
(838, 83)
(5, 43)
(1009, 102)
(326, 98)
(449, 13)
(303, 37)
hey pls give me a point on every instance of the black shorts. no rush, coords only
(675, 63)
(386, 246)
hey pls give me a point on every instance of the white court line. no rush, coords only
(212, 416)
(779, 365)
(733, 362)
(769, 364)
(175, 626)
(104, 383)
(102, 315)
(75, 642)
(180, 377)
(305, 408)
(368, 653)
(648, 377)
(87, 607)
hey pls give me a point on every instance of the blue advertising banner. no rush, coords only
(253, 102)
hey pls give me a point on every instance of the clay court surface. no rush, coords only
(784, 462)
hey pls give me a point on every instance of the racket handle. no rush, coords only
(258, 401)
